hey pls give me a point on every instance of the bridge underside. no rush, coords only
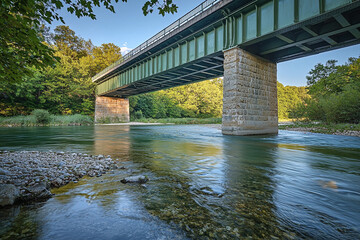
(332, 30)
(208, 67)
(259, 35)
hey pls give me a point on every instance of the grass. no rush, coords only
(181, 120)
(319, 127)
(111, 120)
(70, 119)
(55, 120)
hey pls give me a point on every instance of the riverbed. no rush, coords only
(203, 185)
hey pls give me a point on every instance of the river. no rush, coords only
(203, 185)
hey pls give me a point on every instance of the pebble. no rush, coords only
(30, 171)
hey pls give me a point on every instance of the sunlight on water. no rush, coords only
(202, 185)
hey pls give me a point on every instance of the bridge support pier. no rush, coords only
(250, 94)
(111, 109)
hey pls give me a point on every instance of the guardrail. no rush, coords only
(175, 25)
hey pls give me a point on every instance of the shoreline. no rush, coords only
(319, 130)
(131, 124)
(283, 125)
(27, 176)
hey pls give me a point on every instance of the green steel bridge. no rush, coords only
(192, 48)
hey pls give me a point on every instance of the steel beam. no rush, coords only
(345, 29)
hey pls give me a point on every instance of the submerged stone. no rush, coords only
(39, 191)
(8, 194)
(135, 179)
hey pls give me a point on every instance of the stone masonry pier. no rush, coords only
(250, 94)
(112, 109)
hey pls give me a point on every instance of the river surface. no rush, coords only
(203, 185)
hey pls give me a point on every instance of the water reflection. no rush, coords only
(183, 174)
(250, 187)
(316, 194)
(203, 185)
(113, 141)
(219, 187)
(19, 222)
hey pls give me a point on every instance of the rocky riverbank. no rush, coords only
(324, 131)
(29, 175)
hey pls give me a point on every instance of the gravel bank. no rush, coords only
(302, 129)
(318, 130)
(28, 175)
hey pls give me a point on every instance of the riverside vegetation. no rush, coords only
(66, 91)
(40, 117)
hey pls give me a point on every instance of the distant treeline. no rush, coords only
(65, 88)
(202, 99)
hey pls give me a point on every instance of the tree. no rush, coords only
(22, 44)
(104, 55)
(324, 80)
(289, 97)
(65, 39)
(66, 86)
(335, 92)
(202, 99)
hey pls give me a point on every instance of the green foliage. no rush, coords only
(18, 121)
(22, 34)
(64, 88)
(343, 107)
(289, 98)
(70, 119)
(165, 7)
(32, 120)
(138, 115)
(21, 41)
(182, 120)
(203, 99)
(42, 116)
(335, 93)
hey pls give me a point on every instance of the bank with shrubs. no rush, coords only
(41, 117)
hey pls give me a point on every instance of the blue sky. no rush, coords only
(128, 28)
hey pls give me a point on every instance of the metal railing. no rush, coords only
(175, 25)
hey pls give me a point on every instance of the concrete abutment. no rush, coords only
(111, 109)
(250, 94)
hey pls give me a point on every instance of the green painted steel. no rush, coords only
(235, 29)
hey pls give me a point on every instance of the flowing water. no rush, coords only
(203, 185)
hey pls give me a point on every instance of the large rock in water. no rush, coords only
(8, 194)
(38, 191)
(135, 179)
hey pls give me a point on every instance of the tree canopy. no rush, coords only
(334, 91)
(202, 99)
(289, 97)
(22, 39)
(64, 87)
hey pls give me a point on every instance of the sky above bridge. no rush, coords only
(128, 28)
